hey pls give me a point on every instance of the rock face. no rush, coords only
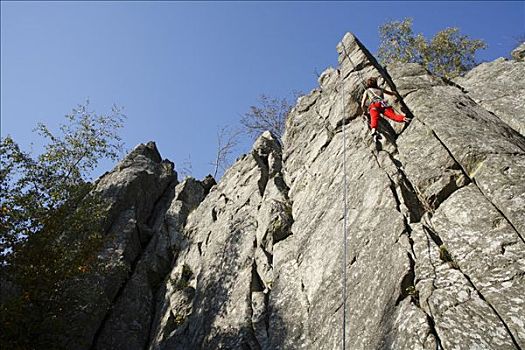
(217, 293)
(136, 190)
(519, 53)
(434, 227)
(499, 87)
(146, 209)
(476, 222)
(127, 326)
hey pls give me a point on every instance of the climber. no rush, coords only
(374, 98)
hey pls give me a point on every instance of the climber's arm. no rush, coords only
(363, 101)
(391, 94)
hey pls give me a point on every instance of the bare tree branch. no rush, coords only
(186, 168)
(227, 140)
(270, 114)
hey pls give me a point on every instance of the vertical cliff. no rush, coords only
(137, 191)
(435, 227)
(217, 293)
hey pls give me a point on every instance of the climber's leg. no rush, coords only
(374, 110)
(389, 113)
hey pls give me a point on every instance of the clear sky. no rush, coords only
(183, 69)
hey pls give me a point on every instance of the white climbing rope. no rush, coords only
(345, 200)
(345, 196)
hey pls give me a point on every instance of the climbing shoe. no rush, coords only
(375, 135)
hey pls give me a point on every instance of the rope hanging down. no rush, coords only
(345, 196)
(344, 214)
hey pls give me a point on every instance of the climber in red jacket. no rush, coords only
(374, 98)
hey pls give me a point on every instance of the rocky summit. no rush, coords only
(434, 227)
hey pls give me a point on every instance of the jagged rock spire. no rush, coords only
(436, 229)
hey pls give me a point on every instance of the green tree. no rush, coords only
(399, 43)
(50, 224)
(449, 53)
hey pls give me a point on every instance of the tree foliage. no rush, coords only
(50, 224)
(33, 188)
(449, 53)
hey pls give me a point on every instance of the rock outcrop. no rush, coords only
(434, 227)
(146, 207)
(519, 52)
(128, 324)
(217, 293)
(499, 87)
(475, 223)
(136, 191)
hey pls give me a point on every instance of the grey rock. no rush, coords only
(454, 304)
(519, 52)
(411, 77)
(485, 148)
(410, 329)
(416, 173)
(328, 78)
(462, 136)
(132, 191)
(306, 301)
(435, 227)
(208, 183)
(428, 165)
(128, 324)
(499, 87)
(227, 247)
(489, 252)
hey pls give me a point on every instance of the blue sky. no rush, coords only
(183, 69)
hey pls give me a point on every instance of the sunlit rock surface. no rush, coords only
(435, 226)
